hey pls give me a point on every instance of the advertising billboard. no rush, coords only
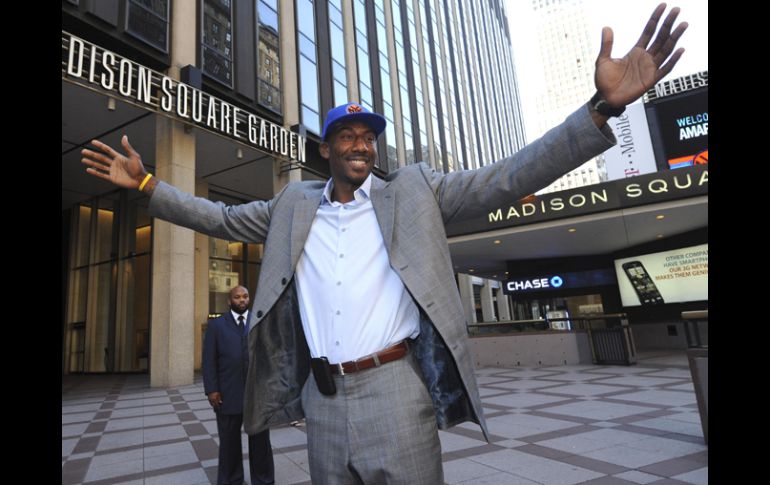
(632, 155)
(681, 128)
(676, 276)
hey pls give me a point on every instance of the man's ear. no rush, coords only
(323, 149)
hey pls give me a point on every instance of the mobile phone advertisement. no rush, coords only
(676, 276)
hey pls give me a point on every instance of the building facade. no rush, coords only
(566, 55)
(225, 99)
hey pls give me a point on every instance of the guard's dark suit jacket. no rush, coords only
(225, 362)
(412, 206)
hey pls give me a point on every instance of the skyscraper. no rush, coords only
(566, 56)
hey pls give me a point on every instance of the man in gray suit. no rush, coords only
(357, 279)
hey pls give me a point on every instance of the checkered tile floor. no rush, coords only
(550, 425)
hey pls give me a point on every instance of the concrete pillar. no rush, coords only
(201, 312)
(395, 88)
(446, 66)
(423, 80)
(503, 310)
(351, 63)
(465, 282)
(487, 305)
(173, 256)
(289, 68)
(173, 273)
(289, 88)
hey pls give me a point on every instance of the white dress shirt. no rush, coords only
(351, 302)
(245, 317)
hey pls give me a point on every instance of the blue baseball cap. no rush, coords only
(354, 112)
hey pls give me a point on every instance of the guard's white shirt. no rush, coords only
(236, 315)
(351, 302)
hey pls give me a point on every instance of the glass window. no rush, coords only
(80, 284)
(225, 272)
(217, 40)
(335, 12)
(82, 236)
(268, 56)
(99, 322)
(362, 50)
(305, 21)
(340, 93)
(255, 252)
(105, 305)
(267, 15)
(138, 313)
(140, 239)
(307, 47)
(105, 230)
(309, 88)
(148, 20)
(311, 119)
(253, 278)
(339, 72)
(337, 43)
(308, 70)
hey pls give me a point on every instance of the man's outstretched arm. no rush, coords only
(467, 193)
(246, 222)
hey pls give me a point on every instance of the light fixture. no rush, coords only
(239, 154)
(660, 216)
(471, 270)
(111, 104)
(660, 236)
(497, 241)
(571, 229)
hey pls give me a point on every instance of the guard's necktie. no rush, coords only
(242, 324)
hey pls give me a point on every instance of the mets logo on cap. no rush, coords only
(354, 108)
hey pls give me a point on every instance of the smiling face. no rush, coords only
(352, 150)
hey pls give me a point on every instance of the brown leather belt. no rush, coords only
(390, 354)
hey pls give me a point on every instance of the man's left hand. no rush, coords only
(622, 81)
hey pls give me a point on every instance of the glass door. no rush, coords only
(108, 296)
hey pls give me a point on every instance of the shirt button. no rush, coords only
(342, 255)
(344, 229)
(339, 283)
(338, 312)
(337, 342)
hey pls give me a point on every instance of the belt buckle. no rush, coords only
(340, 369)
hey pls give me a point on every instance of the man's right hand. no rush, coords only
(215, 399)
(127, 172)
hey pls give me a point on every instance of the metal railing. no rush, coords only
(691, 327)
(507, 326)
(609, 335)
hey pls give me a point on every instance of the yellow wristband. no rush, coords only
(144, 182)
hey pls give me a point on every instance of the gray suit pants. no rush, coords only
(379, 428)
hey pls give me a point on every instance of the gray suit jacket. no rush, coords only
(412, 206)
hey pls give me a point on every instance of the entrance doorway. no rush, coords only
(107, 273)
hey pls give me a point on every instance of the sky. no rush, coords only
(627, 19)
